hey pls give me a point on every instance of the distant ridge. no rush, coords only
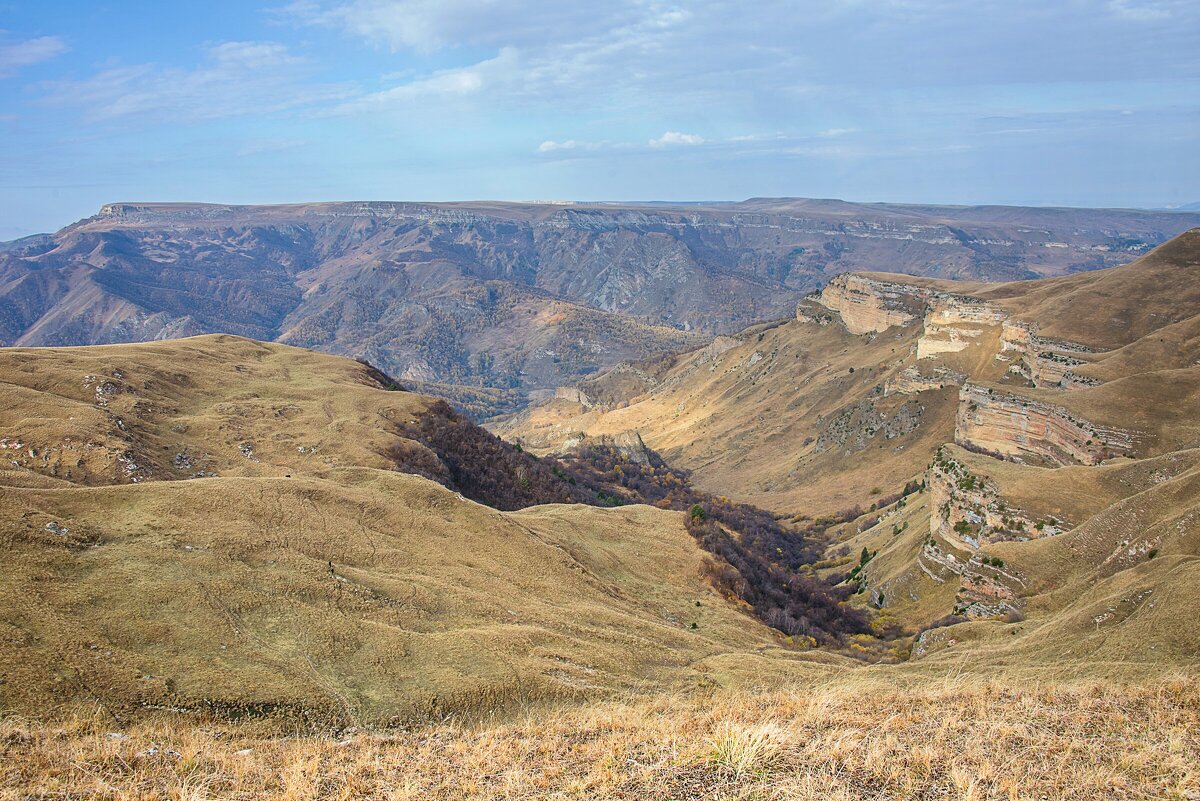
(492, 303)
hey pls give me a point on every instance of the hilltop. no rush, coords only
(490, 304)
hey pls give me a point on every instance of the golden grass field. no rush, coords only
(954, 736)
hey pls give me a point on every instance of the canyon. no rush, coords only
(493, 305)
(1032, 426)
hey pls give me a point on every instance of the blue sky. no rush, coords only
(1082, 102)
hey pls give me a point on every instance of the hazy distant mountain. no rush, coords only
(490, 301)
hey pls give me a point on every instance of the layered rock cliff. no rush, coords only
(1029, 430)
(866, 305)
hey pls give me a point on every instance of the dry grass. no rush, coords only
(849, 741)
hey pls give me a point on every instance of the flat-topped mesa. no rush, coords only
(954, 322)
(869, 306)
(1023, 429)
(168, 214)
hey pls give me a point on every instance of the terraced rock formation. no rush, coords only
(1050, 425)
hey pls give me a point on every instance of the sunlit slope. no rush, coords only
(185, 408)
(780, 419)
(214, 525)
(1050, 425)
(852, 397)
(363, 596)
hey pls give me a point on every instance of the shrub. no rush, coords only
(754, 557)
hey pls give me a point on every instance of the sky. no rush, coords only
(1074, 102)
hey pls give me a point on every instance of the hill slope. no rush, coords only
(215, 525)
(1051, 424)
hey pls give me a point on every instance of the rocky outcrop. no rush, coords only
(1042, 362)
(854, 427)
(573, 395)
(866, 305)
(628, 443)
(811, 310)
(1024, 429)
(954, 322)
(911, 381)
(967, 512)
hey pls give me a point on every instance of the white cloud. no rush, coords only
(676, 138)
(18, 55)
(669, 56)
(1140, 12)
(833, 133)
(550, 145)
(445, 84)
(233, 79)
(429, 25)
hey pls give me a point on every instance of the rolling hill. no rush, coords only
(217, 526)
(212, 541)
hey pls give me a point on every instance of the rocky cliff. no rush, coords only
(865, 305)
(1031, 430)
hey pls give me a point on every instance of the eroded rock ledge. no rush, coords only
(1027, 430)
(950, 323)
(866, 305)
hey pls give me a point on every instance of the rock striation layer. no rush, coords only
(1024, 429)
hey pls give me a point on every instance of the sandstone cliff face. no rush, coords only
(1030, 430)
(1042, 362)
(985, 587)
(866, 305)
(968, 512)
(953, 323)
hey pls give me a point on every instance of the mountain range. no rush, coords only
(494, 304)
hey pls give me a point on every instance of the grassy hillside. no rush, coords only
(960, 735)
(209, 542)
(217, 526)
(1065, 501)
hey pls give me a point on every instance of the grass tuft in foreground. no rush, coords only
(862, 740)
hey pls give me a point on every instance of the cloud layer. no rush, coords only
(15, 56)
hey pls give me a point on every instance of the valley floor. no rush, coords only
(860, 736)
